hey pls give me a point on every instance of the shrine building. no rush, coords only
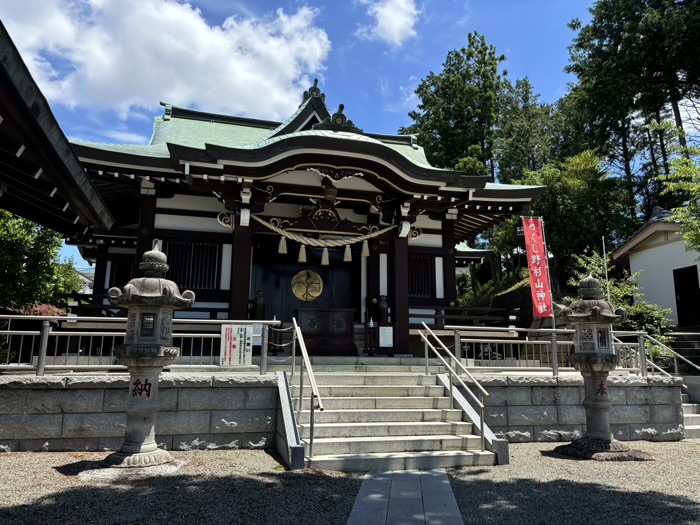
(312, 217)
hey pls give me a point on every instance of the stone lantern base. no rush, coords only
(140, 448)
(138, 459)
(601, 450)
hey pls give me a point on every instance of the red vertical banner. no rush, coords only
(537, 264)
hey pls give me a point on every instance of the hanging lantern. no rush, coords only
(347, 256)
(282, 250)
(365, 249)
(324, 257)
(302, 254)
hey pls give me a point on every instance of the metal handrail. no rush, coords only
(124, 319)
(675, 354)
(314, 394)
(457, 361)
(509, 329)
(453, 375)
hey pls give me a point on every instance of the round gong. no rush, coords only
(307, 286)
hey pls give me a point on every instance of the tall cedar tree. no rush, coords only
(524, 140)
(457, 108)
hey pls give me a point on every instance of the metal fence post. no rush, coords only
(425, 345)
(43, 345)
(642, 356)
(263, 349)
(482, 423)
(294, 351)
(555, 356)
(458, 345)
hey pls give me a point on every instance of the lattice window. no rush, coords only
(421, 276)
(587, 334)
(194, 265)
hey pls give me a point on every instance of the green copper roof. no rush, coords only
(197, 133)
(151, 150)
(415, 155)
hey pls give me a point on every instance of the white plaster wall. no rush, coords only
(657, 265)
(427, 240)
(191, 202)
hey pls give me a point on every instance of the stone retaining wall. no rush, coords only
(525, 409)
(87, 412)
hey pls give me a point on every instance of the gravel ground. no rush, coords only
(250, 487)
(540, 489)
(213, 487)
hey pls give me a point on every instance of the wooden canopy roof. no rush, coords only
(41, 178)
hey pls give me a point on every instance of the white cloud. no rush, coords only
(127, 55)
(394, 21)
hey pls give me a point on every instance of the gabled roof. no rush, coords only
(198, 130)
(658, 223)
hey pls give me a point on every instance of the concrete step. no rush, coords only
(691, 408)
(366, 445)
(350, 369)
(691, 420)
(329, 391)
(339, 378)
(378, 415)
(403, 461)
(386, 429)
(691, 432)
(369, 403)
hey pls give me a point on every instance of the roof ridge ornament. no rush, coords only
(313, 92)
(338, 122)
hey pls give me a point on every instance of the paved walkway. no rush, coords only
(406, 497)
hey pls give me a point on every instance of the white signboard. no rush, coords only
(386, 336)
(236, 345)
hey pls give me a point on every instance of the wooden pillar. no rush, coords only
(240, 271)
(98, 283)
(372, 280)
(448, 261)
(399, 307)
(147, 219)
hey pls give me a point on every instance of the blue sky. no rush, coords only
(105, 65)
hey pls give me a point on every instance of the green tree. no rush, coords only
(683, 183)
(624, 293)
(524, 138)
(634, 60)
(457, 106)
(581, 205)
(30, 268)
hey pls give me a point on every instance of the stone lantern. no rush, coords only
(592, 319)
(148, 348)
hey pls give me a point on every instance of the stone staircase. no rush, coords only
(691, 418)
(387, 421)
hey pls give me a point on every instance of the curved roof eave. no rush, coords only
(343, 145)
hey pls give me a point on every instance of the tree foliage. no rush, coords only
(30, 268)
(581, 206)
(684, 183)
(624, 293)
(457, 108)
(524, 140)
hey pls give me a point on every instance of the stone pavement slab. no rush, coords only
(406, 497)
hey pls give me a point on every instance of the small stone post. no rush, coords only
(592, 319)
(148, 348)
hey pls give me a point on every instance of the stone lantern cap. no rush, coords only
(153, 289)
(591, 308)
